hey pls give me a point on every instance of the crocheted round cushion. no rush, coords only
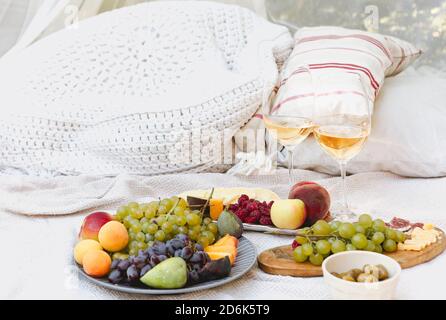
(154, 88)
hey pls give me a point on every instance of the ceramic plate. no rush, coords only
(246, 258)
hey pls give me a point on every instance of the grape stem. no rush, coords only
(309, 237)
(158, 209)
(174, 207)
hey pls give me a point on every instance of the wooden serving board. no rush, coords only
(280, 260)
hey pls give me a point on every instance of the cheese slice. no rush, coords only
(425, 236)
(420, 239)
(428, 226)
(410, 247)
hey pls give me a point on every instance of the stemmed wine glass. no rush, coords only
(287, 116)
(342, 118)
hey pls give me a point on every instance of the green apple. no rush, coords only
(288, 214)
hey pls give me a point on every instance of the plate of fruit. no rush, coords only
(162, 247)
(263, 210)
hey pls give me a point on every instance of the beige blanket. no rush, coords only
(37, 247)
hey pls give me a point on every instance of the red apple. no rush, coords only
(316, 199)
(92, 224)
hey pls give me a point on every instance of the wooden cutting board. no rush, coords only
(280, 260)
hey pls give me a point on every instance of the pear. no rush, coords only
(169, 274)
(229, 223)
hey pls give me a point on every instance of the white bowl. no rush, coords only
(345, 261)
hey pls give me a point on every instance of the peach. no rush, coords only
(113, 236)
(288, 214)
(316, 199)
(92, 224)
(83, 247)
(97, 263)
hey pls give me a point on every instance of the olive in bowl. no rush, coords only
(361, 275)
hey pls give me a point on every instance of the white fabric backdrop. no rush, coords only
(16, 15)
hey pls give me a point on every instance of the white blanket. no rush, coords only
(37, 250)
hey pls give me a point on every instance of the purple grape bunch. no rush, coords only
(130, 270)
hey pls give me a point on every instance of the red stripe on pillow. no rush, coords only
(323, 94)
(292, 74)
(341, 48)
(347, 66)
(369, 39)
(304, 95)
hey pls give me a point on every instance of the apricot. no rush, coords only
(83, 247)
(113, 236)
(316, 199)
(97, 263)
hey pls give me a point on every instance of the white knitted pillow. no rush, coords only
(138, 90)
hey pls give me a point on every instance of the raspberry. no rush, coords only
(243, 198)
(233, 207)
(250, 219)
(265, 211)
(294, 245)
(252, 211)
(266, 221)
(256, 213)
(252, 206)
(242, 214)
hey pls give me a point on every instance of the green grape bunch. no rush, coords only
(322, 239)
(161, 221)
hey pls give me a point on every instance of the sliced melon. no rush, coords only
(219, 255)
(227, 240)
(228, 249)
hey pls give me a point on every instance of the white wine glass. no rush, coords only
(342, 118)
(287, 115)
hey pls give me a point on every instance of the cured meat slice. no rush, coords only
(403, 224)
(398, 223)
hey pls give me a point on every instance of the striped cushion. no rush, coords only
(338, 50)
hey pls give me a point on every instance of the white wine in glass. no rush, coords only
(289, 131)
(342, 124)
(341, 141)
(291, 124)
